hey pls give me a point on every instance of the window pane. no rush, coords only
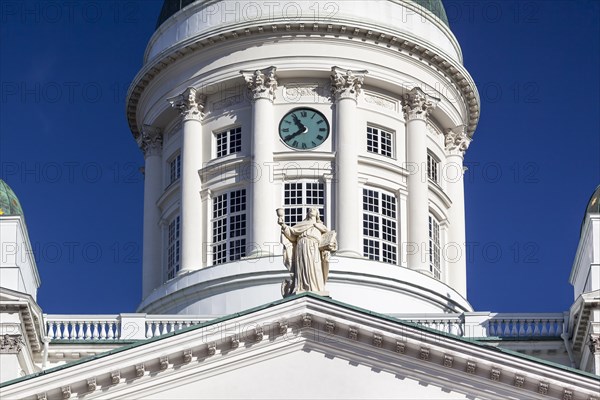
(298, 197)
(229, 142)
(380, 142)
(380, 231)
(229, 226)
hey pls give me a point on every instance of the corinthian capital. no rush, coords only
(11, 344)
(417, 105)
(262, 83)
(345, 83)
(456, 140)
(190, 104)
(150, 140)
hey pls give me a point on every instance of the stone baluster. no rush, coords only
(95, 333)
(80, 330)
(88, 330)
(51, 330)
(111, 333)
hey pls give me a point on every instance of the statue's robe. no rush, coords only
(303, 256)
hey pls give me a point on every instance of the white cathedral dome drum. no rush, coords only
(362, 110)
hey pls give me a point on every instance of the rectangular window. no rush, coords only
(380, 230)
(433, 166)
(298, 197)
(229, 226)
(434, 248)
(173, 247)
(229, 142)
(380, 141)
(175, 169)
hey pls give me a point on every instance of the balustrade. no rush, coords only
(78, 328)
(525, 325)
(115, 327)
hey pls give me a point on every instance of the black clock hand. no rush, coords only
(297, 122)
(293, 135)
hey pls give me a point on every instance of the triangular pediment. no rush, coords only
(305, 347)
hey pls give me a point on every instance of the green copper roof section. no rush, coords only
(436, 7)
(593, 206)
(170, 7)
(9, 203)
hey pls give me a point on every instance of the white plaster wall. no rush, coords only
(18, 270)
(237, 286)
(585, 274)
(397, 18)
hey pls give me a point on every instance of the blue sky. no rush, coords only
(66, 150)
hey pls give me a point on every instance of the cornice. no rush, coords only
(440, 193)
(453, 71)
(194, 8)
(30, 315)
(369, 339)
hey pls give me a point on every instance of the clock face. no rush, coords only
(303, 129)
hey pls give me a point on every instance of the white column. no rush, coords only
(455, 254)
(150, 141)
(264, 232)
(192, 243)
(417, 106)
(346, 86)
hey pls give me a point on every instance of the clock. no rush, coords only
(303, 128)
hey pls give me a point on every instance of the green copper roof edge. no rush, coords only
(151, 340)
(285, 300)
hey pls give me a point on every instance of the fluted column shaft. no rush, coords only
(192, 241)
(150, 141)
(346, 86)
(417, 106)
(455, 255)
(262, 85)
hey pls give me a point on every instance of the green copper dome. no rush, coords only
(170, 7)
(9, 203)
(593, 206)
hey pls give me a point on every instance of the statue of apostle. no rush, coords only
(307, 247)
